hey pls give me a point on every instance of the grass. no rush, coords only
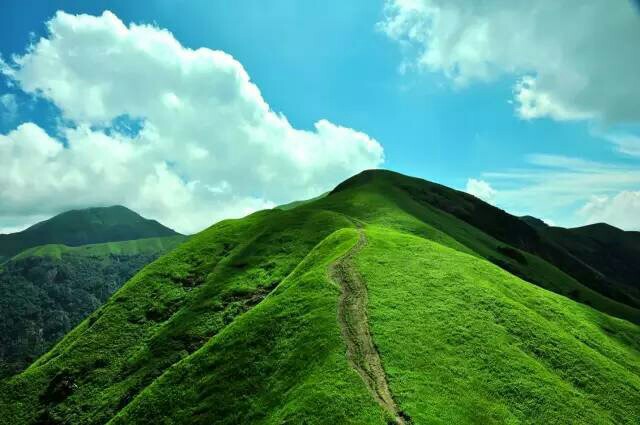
(239, 324)
(281, 362)
(465, 342)
(294, 204)
(168, 311)
(133, 247)
(385, 198)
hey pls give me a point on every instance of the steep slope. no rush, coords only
(46, 291)
(611, 252)
(82, 227)
(247, 322)
(465, 342)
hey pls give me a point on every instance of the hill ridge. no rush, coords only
(548, 243)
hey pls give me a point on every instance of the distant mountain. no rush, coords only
(390, 300)
(609, 255)
(47, 290)
(58, 271)
(82, 227)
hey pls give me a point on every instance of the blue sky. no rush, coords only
(337, 60)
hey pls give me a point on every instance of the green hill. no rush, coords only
(82, 227)
(469, 220)
(390, 300)
(46, 291)
(610, 252)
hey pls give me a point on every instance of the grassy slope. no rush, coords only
(486, 347)
(138, 246)
(510, 231)
(380, 201)
(282, 362)
(192, 337)
(294, 204)
(167, 311)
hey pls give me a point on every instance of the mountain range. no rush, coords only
(388, 300)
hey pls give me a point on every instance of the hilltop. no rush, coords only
(82, 227)
(390, 300)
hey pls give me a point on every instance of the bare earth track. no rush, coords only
(354, 324)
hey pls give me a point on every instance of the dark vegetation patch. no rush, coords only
(60, 387)
(46, 417)
(100, 363)
(43, 298)
(512, 253)
(161, 311)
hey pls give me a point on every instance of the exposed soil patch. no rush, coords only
(354, 324)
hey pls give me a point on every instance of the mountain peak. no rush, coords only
(84, 226)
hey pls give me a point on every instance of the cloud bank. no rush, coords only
(574, 59)
(180, 135)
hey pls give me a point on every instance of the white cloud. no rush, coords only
(480, 189)
(628, 144)
(8, 107)
(575, 59)
(621, 210)
(210, 147)
(558, 187)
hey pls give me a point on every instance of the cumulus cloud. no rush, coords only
(209, 145)
(574, 59)
(480, 189)
(621, 210)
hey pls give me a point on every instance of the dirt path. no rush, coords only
(354, 324)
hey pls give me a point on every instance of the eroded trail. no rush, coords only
(354, 324)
